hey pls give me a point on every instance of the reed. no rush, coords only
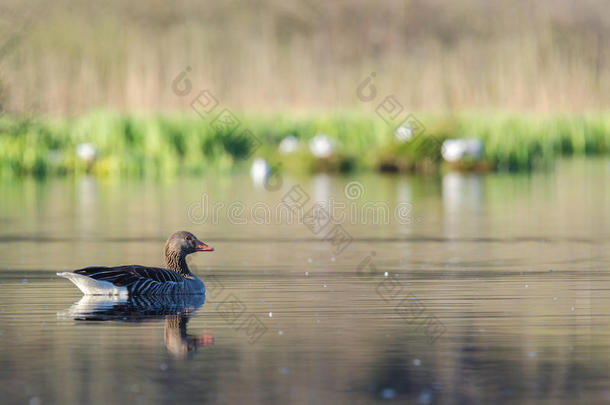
(67, 57)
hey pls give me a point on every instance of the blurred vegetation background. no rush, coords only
(67, 57)
(464, 65)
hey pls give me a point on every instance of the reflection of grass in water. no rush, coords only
(165, 146)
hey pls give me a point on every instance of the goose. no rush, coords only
(135, 280)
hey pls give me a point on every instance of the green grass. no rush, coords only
(523, 142)
(158, 146)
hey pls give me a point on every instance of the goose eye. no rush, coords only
(187, 238)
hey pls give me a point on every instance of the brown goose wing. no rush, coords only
(138, 279)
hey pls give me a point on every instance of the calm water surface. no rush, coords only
(480, 289)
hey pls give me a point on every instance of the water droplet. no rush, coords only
(280, 332)
(270, 314)
(526, 286)
(35, 401)
(554, 298)
(309, 260)
(307, 273)
(385, 274)
(573, 308)
(416, 362)
(332, 258)
(425, 397)
(388, 393)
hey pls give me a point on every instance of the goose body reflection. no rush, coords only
(175, 310)
(135, 280)
(134, 309)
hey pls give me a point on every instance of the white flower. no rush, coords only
(289, 144)
(86, 151)
(403, 133)
(260, 171)
(454, 150)
(321, 146)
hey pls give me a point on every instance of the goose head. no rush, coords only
(184, 243)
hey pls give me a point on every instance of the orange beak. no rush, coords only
(202, 247)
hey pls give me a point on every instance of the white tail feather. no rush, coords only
(91, 286)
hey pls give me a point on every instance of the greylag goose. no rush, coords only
(134, 280)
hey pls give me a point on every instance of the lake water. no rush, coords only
(461, 288)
